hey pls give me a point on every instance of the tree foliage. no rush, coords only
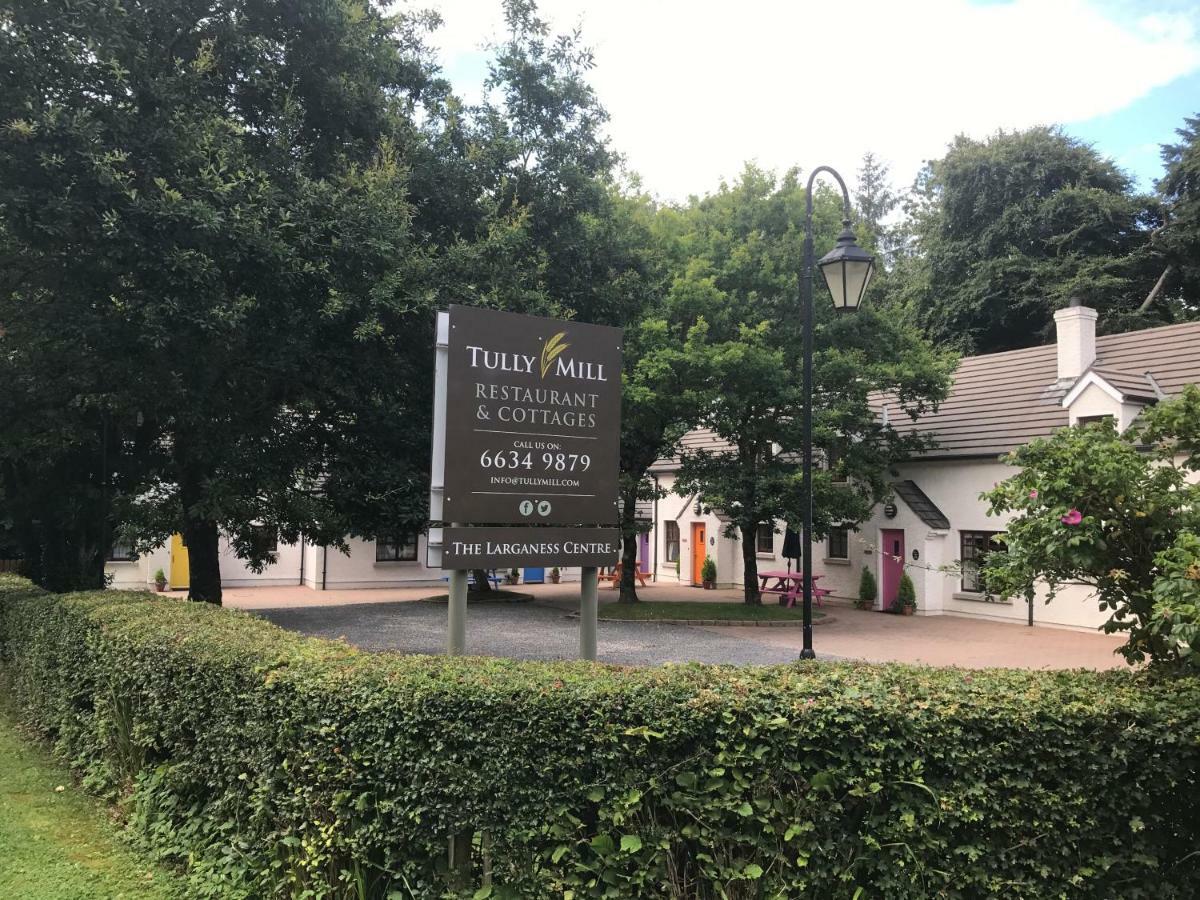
(1179, 239)
(736, 255)
(248, 236)
(1010, 228)
(1118, 513)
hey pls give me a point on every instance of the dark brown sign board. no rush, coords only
(486, 548)
(533, 421)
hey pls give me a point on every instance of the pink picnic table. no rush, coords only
(787, 585)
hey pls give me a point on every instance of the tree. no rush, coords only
(736, 254)
(1118, 513)
(875, 201)
(228, 211)
(1010, 228)
(659, 400)
(1179, 238)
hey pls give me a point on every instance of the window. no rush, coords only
(976, 545)
(401, 547)
(671, 539)
(120, 551)
(264, 538)
(1088, 420)
(765, 539)
(839, 542)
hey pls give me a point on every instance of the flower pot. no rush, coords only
(908, 610)
(160, 586)
(709, 585)
(554, 579)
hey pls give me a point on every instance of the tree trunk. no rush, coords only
(204, 562)
(482, 584)
(629, 545)
(629, 542)
(750, 565)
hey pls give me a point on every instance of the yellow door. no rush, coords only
(179, 562)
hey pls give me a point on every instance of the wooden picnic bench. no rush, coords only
(787, 586)
(615, 576)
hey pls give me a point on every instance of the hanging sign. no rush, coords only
(500, 547)
(533, 420)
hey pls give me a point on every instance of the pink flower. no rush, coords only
(1033, 494)
(1074, 517)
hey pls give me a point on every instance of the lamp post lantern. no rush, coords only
(847, 269)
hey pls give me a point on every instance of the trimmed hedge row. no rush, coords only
(269, 764)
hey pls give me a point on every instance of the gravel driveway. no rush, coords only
(526, 631)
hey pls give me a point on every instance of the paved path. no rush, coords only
(943, 641)
(523, 630)
(388, 619)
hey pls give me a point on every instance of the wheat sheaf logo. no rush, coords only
(551, 351)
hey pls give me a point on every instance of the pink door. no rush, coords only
(892, 565)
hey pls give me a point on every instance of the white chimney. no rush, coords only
(1076, 326)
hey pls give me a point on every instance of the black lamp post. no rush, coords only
(847, 269)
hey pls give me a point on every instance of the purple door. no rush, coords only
(644, 553)
(892, 565)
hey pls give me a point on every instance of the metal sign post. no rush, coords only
(588, 612)
(456, 615)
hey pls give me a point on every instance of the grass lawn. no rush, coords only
(652, 610)
(60, 845)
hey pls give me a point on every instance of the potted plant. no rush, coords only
(554, 575)
(906, 596)
(513, 577)
(708, 573)
(868, 590)
(160, 580)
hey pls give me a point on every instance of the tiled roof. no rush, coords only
(1135, 387)
(1003, 400)
(696, 439)
(920, 504)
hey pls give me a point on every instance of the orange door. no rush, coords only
(699, 546)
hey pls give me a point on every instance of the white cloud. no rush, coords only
(696, 88)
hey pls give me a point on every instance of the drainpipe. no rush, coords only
(654, 576)
(301, 559)
(324, 565)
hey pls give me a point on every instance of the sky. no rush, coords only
(696, 88)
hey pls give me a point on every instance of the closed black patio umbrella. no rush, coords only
(791, 546)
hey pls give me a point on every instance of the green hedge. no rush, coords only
(272, 765)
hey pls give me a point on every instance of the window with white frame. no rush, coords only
(671, 541)
(121, 551)
(765, 539)
(839, 542)
(396, 547)
(974, 549)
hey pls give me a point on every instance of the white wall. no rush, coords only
(954, 487)
(284, 571)
(1093, 400)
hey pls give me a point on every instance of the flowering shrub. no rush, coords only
(1119, 513)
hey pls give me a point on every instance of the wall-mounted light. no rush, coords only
(696, 507)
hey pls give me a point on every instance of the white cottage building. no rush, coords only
(390, 562)
(936, 522)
